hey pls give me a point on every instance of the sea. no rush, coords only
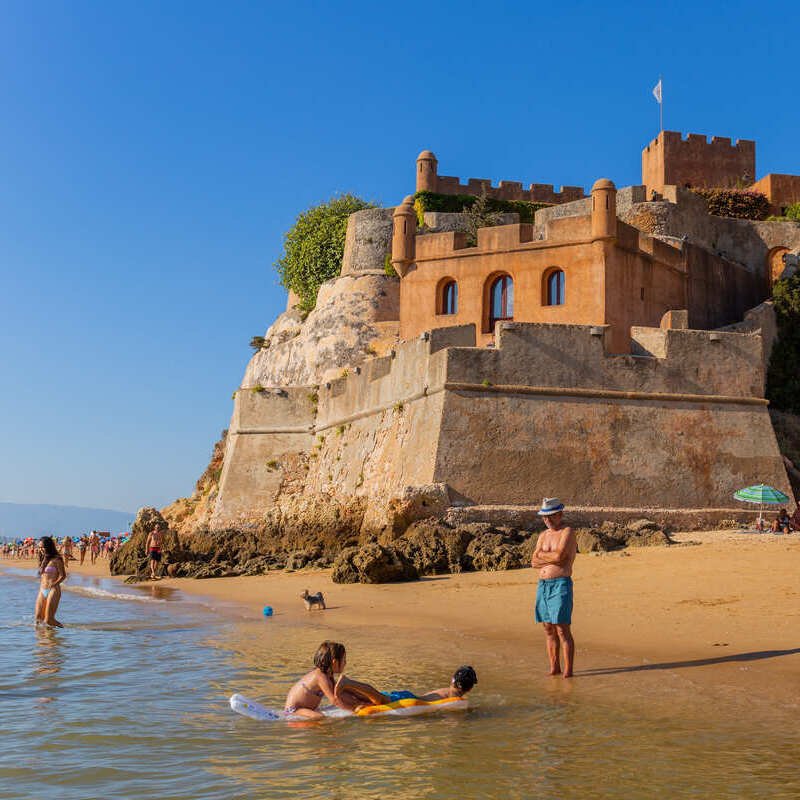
(130, 700)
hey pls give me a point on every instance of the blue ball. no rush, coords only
(267, 611)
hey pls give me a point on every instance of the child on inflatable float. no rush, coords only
(306, 695)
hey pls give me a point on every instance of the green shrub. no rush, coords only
(388, 268)
(783, 376)
(314, 245)
(257, 342)
(735, 203)
(455, 203)
(793, 212)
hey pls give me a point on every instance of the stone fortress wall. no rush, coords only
(428, 180)
(673, 427)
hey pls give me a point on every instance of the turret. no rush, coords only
(404, 236)
(604, 209)
(427, 165)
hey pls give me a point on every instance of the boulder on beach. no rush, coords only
(372, 563)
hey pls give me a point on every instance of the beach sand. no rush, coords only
(721, 609)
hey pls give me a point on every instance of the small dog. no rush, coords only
(312, 600)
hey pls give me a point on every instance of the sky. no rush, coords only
(152, 154)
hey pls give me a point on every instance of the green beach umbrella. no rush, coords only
(761, 494)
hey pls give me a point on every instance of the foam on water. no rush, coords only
(91, 591)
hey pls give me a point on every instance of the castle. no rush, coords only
(612, 351)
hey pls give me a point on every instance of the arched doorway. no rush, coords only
(775, 265)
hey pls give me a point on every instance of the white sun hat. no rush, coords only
(550, 505)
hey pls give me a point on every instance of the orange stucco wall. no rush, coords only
(605, 279)
(781, 190)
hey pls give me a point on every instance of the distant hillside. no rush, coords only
(22, 519)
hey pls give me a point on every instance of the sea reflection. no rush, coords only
(49, 661)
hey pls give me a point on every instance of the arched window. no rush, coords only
(501, 300)
(448, 298)
(556, 285)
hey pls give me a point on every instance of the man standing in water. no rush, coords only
(554, 555)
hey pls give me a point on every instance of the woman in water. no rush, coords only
(51, 569)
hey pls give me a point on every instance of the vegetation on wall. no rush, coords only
(454, 203)
(783, 377)
(792, 214)
(480, 215)
(313, 247)
(735, 203)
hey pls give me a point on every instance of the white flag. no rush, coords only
(657, 91)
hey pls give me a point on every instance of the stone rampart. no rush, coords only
(267, 426)
(546, 411)
(549, 412)
(509, 190)
(682, 214)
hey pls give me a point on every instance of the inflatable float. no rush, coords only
(407, 707)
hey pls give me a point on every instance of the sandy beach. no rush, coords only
(720, 607)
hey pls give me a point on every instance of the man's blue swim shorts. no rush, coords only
(554, 601)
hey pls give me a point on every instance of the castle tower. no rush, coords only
(404, 235)
(604, 209)
(427, 166)
(671, 160)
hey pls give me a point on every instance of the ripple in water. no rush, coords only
(130, 701)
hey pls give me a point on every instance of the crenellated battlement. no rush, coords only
(428, 180)
(694, 161)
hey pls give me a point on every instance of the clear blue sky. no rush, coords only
(152, 154)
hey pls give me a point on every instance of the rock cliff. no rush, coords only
(356, 316)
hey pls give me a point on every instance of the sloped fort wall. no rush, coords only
(547, 410)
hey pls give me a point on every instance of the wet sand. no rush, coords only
(721, 610)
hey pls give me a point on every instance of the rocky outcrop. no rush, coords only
(131, 558)
(372, 563)
(356, 316)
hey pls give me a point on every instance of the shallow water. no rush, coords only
(130, 701)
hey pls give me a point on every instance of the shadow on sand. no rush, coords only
(756, 655)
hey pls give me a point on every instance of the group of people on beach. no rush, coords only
(553, 556)
(92, 544)
(305, 697)
(783, 523)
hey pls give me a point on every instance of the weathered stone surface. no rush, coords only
(368, 240)
(356, 315)
(372, 563)
(590, 541)
(489, 552)
(639, 525)
(434, 548)
(647, 538)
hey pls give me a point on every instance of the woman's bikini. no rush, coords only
(52, 573)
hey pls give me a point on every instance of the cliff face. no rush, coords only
(356, 316)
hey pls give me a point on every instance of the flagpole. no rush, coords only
(661, 106)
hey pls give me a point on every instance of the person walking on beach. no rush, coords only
(83, 543)
(66, 547)
(94, 546)
(554, 555)
(155, 544)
